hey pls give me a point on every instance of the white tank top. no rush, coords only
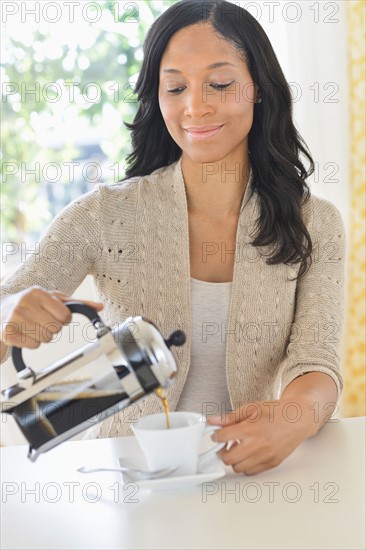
(205, 390)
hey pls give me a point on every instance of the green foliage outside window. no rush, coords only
(81, 84)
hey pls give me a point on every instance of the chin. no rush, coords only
(205, 156)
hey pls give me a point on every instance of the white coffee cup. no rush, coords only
(177, 446)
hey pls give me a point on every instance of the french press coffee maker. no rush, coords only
(120, 367)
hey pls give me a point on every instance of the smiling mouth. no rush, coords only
(196, 134)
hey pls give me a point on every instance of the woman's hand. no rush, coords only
(264, 433)
(34, 316)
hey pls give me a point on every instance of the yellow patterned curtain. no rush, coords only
(354, 354)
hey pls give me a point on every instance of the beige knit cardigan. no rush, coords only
(132, 237)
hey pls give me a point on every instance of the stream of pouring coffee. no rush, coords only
(161, 394)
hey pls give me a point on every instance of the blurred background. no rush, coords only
(68, 76)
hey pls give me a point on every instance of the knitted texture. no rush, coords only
(133, 239)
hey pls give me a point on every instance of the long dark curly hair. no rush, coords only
(279, 176)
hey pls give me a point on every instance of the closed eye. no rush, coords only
(215, 86)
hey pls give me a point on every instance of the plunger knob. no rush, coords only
(177, 338)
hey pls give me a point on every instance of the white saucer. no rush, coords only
(212, 468)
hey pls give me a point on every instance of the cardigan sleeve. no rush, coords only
(66, 251)
(317, 331)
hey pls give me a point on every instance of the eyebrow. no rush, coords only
(212, 66)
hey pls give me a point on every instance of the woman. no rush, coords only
(215, 162)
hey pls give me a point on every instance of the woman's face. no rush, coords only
(188, 95)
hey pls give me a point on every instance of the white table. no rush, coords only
(313, 500)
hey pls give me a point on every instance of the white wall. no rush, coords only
(310, 41)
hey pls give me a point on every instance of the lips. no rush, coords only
(203, 128)
(202, 132)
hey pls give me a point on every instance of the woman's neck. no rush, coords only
(215, 189)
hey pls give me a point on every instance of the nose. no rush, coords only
(198, 101)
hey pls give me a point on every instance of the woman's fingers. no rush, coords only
(247, 460)
(36, 320)
(35, 315)
(249, 468)
(228, 433)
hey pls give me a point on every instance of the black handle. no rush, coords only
(84, 309)
(177, 338)
(74, 307)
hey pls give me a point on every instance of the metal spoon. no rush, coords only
(143, 474)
